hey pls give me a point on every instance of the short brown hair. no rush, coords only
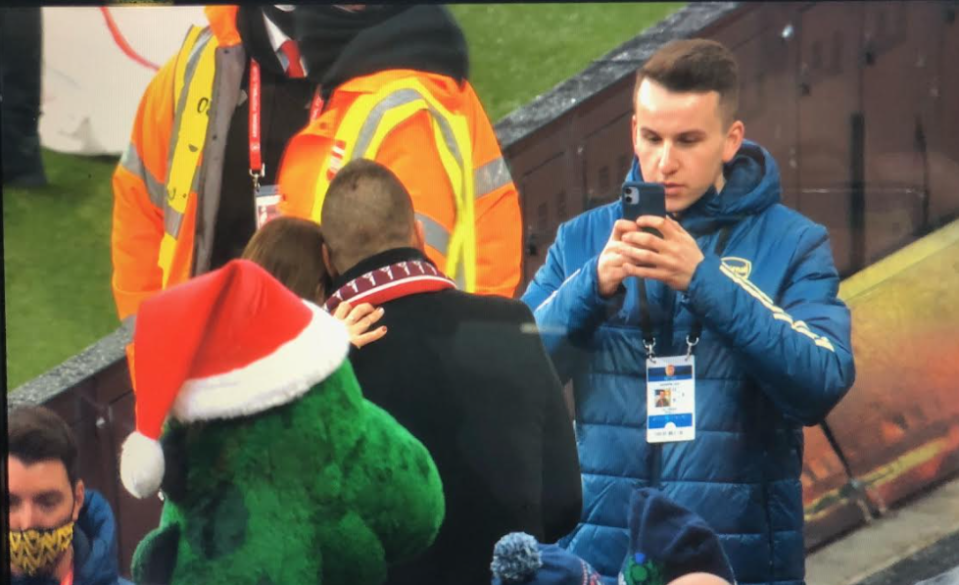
(37, 434)
(367, 210)
(695, 66)
(291, 249)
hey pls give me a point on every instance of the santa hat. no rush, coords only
(227, 344)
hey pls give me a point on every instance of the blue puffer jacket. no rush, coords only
(774, 355)
(94, 547)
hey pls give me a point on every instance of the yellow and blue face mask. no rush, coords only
(36, 551)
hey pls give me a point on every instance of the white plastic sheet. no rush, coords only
(91, 85)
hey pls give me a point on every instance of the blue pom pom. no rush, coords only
(516, 557)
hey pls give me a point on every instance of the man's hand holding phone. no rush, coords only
(617, 258)
(620, 256)
(671, 259)
(647, 243)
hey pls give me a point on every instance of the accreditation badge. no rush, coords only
(670, 399)
(267, 199)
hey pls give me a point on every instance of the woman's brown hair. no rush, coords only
(290, 248)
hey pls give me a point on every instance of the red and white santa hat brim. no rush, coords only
(228, 344)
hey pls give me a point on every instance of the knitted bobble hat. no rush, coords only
(667, 541)
(519, 559)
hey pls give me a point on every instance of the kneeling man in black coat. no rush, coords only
(467, 375)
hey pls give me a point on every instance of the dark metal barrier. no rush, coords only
(858, 102)
(92, 392)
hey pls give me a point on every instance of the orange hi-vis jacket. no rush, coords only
(435, 136)
(167, 185)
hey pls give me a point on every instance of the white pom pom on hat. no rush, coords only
(230, 343)
(141, 465)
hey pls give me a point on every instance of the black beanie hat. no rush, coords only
(667, 541)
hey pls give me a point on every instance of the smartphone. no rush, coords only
(644, 199)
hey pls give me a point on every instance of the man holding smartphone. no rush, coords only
(737, 299)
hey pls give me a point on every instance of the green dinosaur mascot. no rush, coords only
(273, 467)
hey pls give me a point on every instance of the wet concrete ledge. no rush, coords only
(86, 364)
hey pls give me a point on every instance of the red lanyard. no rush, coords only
(257, 168)
(256, 156)
(68, 578)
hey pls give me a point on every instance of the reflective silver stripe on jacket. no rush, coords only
(490, 177)
(132, 162)
(396, 99)
(437, 237)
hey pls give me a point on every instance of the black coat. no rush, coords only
(469, 377)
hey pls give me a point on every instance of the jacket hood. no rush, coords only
(423, 38)
(95, 543)
(752, 185)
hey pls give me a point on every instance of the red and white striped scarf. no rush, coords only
(390, 282)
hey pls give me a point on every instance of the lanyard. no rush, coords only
(257, 168)
(646, 322)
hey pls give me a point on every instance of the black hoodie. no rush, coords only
(339, 45)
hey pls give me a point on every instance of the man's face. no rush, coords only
(682, 141)
(41, 495)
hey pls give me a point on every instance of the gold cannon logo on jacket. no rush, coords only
(740, 266)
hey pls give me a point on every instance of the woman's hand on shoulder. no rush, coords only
(358, 321)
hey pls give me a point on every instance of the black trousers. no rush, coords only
(21, 44)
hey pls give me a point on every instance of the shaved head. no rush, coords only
(366, 211)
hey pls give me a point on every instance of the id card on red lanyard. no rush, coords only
(266, 198)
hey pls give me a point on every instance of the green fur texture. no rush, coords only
(328, 489)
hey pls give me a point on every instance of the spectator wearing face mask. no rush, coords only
(61, 533)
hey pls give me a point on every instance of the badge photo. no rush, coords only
(670, 399)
